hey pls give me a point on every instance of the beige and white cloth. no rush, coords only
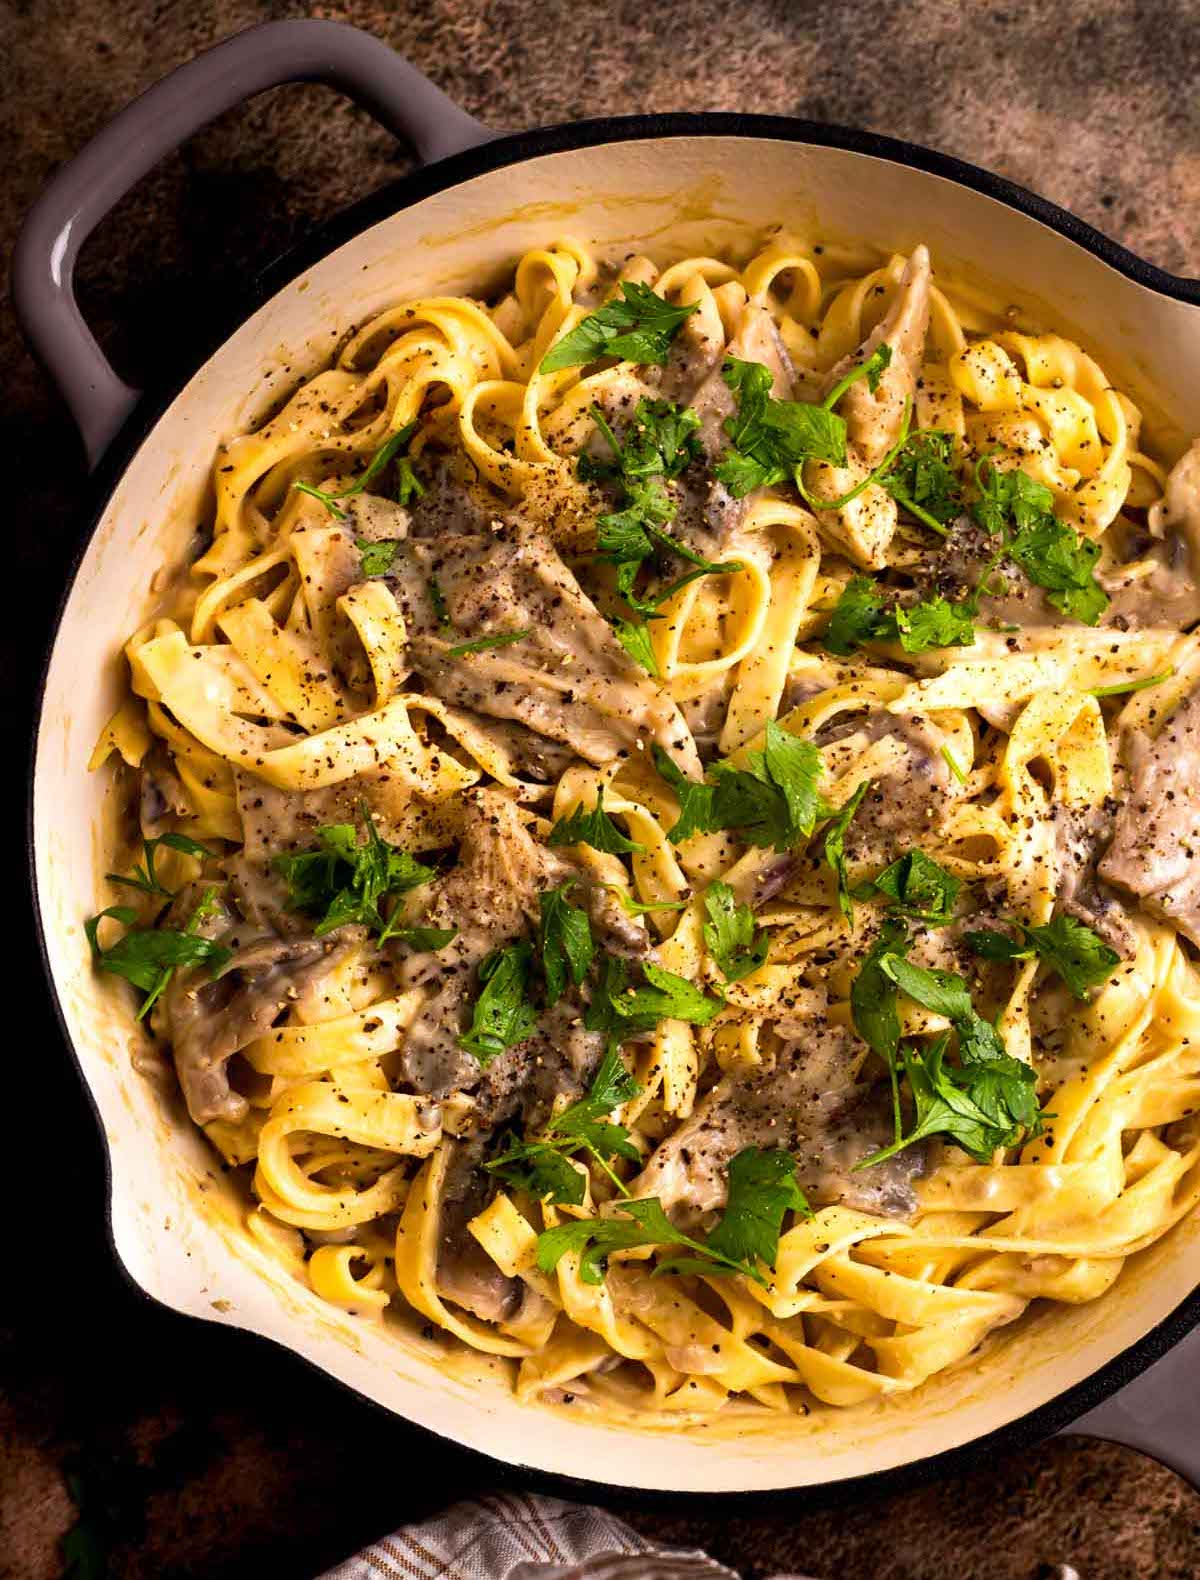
(516, 1536)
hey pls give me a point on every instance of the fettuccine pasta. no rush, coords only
(663, 835)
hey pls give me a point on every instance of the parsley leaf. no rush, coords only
(835, 848)
(637, 327)
(862, 615)
(663, 996)
(1077, 954)
(770, 439)
(873, 993)
(660, 444)
(424, 938)
(633, 907)
(592, 826)
(148, 956)
(635, 639)
(986, 1102)
(482, 643)
(979, 1107)
(915, 885)
(377, 557)
(622, 1010)
(343, 881)
(540, 1165)
(762, 1189)
(923, 478)
(695, 799)
(641, 1223)
(564, 939)
(502, 1014)
(730, 935)
(407, 483)
(1014, 506)
(774, 800)
(145, 877)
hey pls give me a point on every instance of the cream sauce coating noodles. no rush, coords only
(483, 605)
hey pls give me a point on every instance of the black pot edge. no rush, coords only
(502, 151)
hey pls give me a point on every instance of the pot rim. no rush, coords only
(1056, 1413)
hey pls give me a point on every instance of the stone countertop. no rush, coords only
(209, 1454)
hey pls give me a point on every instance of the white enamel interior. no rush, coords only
(175, 1225)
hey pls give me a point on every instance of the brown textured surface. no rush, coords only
(218, 1457)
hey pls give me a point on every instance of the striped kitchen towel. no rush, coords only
(515, 1536)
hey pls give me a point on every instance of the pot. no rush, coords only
(458, 224)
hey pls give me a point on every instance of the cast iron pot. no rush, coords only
(458, 224)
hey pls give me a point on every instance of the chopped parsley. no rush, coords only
(408, 484)
(424, 938)
(730, 934)
(541, 1165)
(481, 644)
(917, 886)
(862, 614)
(924, 480)
(660, 445)
(622, 1009)
(774, 800)
(770, 440)
(502, 1014)
(564, 940)
(343, 881)
(987, 1100)
(592, 826)
(1074, 952)
(638, 327)
(835, 848)
(149, 956)
(145, 877)
(762, 1189)
(1018, 510)
(378, 557)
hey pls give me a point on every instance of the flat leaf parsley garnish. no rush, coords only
(502, 1014)
(738, 947)
(762, 1189)
(659, 445)
(149, 956)
(481, 644)
(862, 614)
(145, 877)
(923, 478)
(985, 1101)
(1074, 952)
(770, 440)
(915, 885)
(541, 1165)
(1018, 510)
(637, 326)
(377, 557)
(565, 941)
(773, 800)
(623, 1009)
(592, 826)
(835, 848)
(344, 881)
(408, 485)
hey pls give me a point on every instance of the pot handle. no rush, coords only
(1158, 1412)
(82, 192)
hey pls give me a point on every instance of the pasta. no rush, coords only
(665, 824)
